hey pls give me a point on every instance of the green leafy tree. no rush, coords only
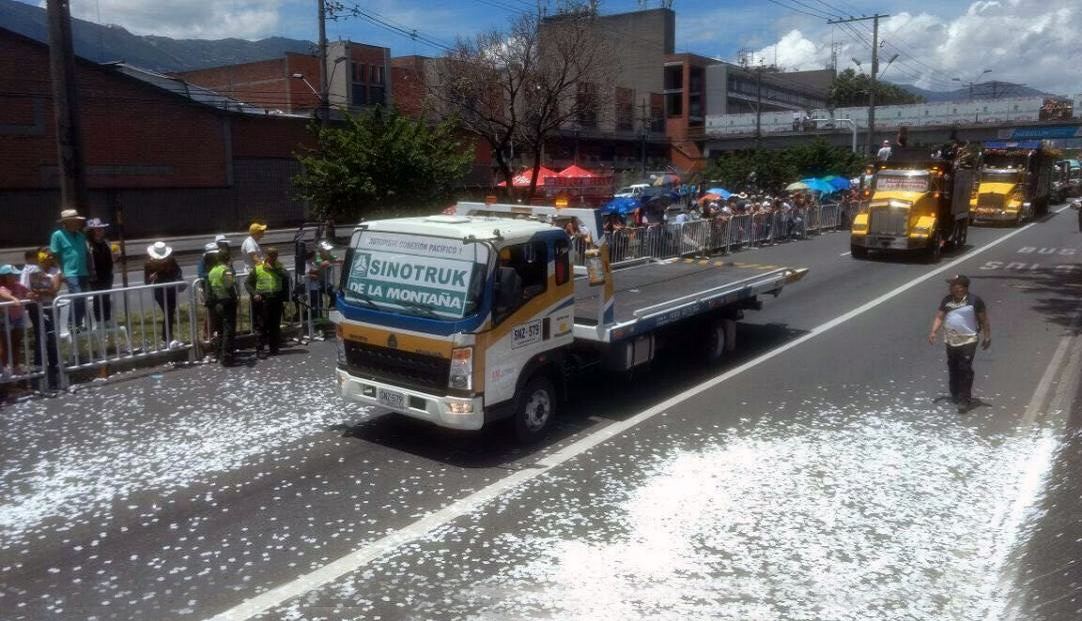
(850, 88)
(380, 158)
(776, 169)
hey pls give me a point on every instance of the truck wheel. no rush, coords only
(715, 341)
(935, 248)
(536, 408)
(858, 252)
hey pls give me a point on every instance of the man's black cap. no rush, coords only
(959, 279)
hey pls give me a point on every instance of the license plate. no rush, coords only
(391, 399)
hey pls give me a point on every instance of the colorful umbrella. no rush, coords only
(839, 183)
(522, 179)
(621, 206)
(577, 172)
(797, 186)
(710, 196)
(818, 185)
(722, 192)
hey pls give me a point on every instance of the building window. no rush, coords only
(625, 109)
(377, 75)
(674, 104)
(695, 110)
(674, 78)
(376, 95)
(657, 113)
(359, 94)
(358, 72)
(695, 80)
(586, 104)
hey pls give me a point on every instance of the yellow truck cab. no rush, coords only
(467, 318)
(917, 203)
(1015, 183)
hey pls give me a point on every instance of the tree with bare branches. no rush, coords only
(521, 85)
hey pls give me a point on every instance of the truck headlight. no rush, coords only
(461, 377)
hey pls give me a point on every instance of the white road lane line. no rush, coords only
(845, 254)
(418, 529)
(1065, 207)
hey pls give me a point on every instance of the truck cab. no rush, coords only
(428, 301)
(915, 203)
(1015, 182)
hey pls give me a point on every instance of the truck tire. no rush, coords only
(935, 248)
(715, 341)
(859, 252)
(535, 409)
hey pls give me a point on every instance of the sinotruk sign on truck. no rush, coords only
(408, 271)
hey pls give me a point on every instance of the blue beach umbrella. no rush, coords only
(622, 206)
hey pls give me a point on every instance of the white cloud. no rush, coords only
(1034, 42)
(188, 19)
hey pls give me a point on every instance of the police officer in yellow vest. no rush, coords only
(266, 284)
(221, 305)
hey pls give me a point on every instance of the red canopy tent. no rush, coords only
(575, 171)
(522, 179)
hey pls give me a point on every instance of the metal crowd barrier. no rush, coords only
(298, 312)
(715, 235)
(22, 342)
(97, 328)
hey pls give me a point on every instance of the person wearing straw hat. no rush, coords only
(68, 245)
(101, 267)
(161, 267)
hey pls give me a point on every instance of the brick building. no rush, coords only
(175, 157)
(267, 83)
(358, 75)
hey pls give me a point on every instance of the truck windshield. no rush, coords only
(901, 181)
(433, 277)
(1001, 176)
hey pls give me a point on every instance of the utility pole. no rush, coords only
(875, 69)
(69, 140)
(643, 120)
(324, 99)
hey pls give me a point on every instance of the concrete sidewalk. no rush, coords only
(190, 245)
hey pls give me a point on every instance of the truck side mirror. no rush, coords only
(508, 289)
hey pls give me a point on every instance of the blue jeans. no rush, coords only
(80, 284)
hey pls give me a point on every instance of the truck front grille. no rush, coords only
(402, 368)
(888, 221)
(991, 200)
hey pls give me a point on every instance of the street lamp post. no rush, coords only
(971, 82)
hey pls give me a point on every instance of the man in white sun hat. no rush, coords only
(161, 267)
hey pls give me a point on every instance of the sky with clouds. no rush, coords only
(1035, 42)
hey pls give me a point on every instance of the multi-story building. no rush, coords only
(697, 86)
(358, 75)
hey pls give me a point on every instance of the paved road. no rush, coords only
(814, 475)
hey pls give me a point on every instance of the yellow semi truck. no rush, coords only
(1015, 182)
(917, 204)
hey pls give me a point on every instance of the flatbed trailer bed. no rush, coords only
(652, 293)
